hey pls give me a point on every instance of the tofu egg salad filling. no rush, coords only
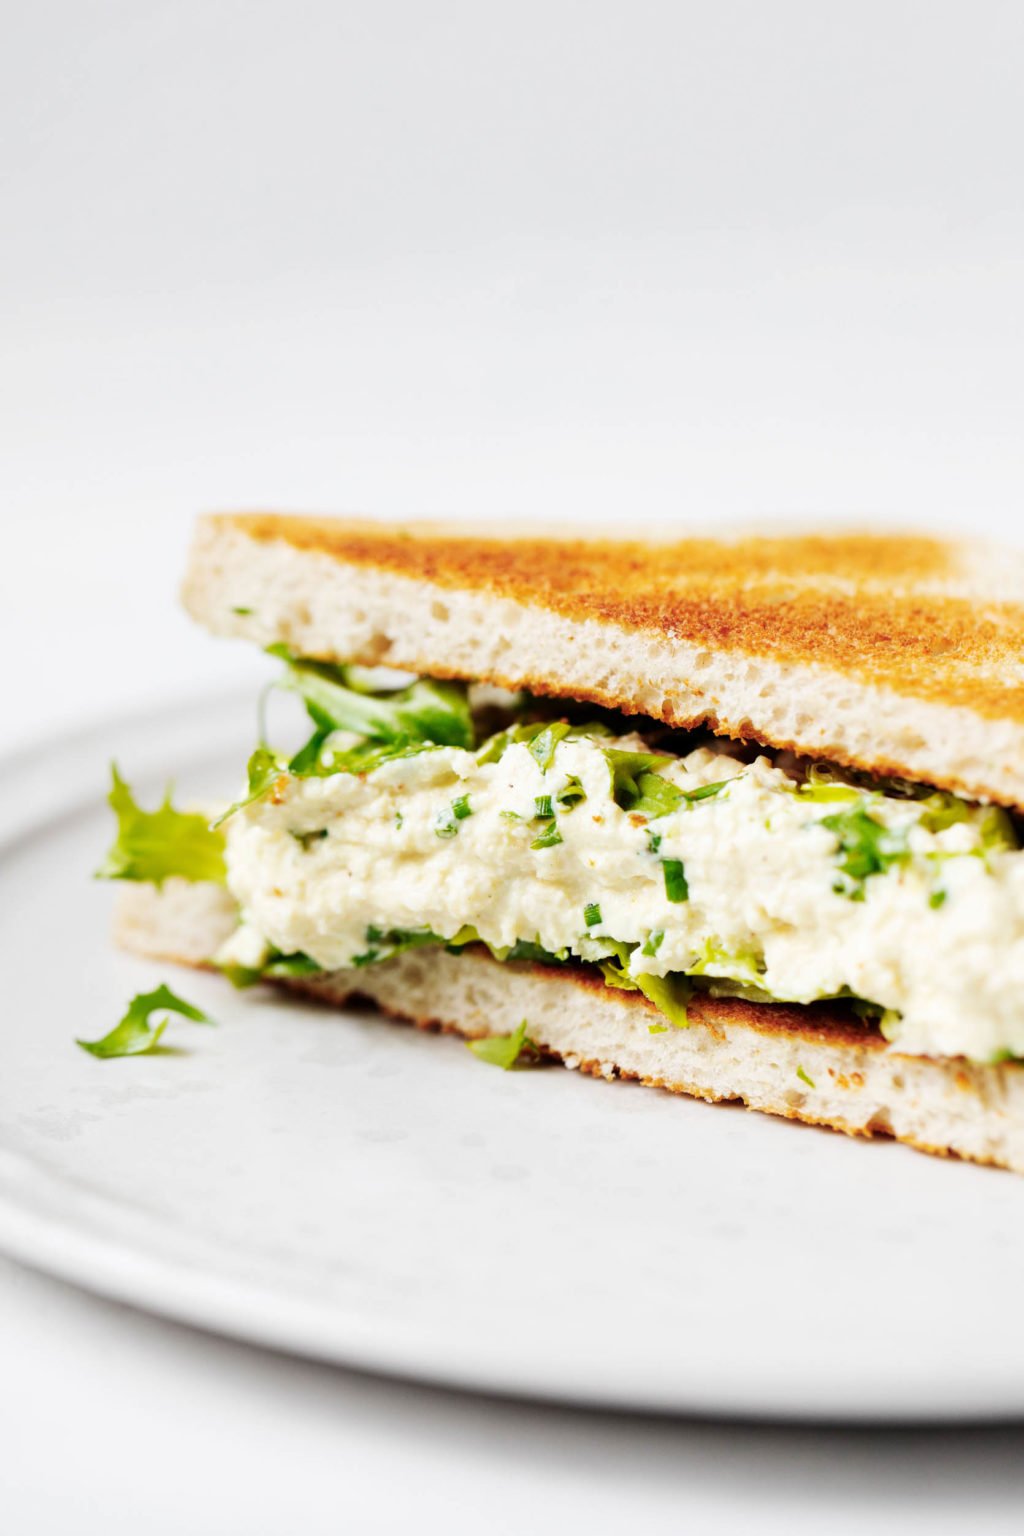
(426, 813)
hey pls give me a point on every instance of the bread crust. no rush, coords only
(900, 655)
(884, 608)
(819, 1064)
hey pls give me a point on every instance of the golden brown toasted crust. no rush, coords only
(901, 611)
(830, 1023)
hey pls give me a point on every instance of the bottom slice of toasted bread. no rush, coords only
(815, 1064)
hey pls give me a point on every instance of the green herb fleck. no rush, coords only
(385, 943)
(677, 886)
(938, 897)
(136, 1034)
(243, 613)
(306, 839)
(446, 822)
(544, 810)
(866, 847)
(572, 793)
(802, 1075)
(591, 914)
(653, 942)
(706, 791)
(548, 839)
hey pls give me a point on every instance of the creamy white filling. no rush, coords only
(938, 938)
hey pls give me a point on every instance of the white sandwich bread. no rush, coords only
(736, 819)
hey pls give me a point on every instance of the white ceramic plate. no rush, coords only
(353, 1190)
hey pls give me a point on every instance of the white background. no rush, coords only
(617, 263)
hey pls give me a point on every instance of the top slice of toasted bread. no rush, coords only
(900, 655)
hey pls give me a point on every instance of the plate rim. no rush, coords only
(148, 1281)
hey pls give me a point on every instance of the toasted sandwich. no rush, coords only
(736, 818)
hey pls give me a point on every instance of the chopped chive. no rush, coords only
(548, 839)
(446, 823)
(653, 841)
(305, 838)
(544, 808)
(653, 943)
(706, 790)
(591, 914)
(676, 885)
(572, 793)
(243, 613)
(802, 1075)
(937, 898)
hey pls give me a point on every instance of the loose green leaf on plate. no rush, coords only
(505, 1051)
(136, 1034)
(156, 845)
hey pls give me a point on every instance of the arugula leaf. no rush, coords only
(136, 1035)
(744, 966)
(297, 964)
(262, 771)
(865, 847)
(552, 733)
(545, 742)
(494, 750)
(505, 1051)
(427, 710)
(386, 942)
(998, 830)
(670, 994)
(627, 769)
(657, 796)
(941, 810)
(526, 949)
(637, 787)
(156, 845)
(276, 966)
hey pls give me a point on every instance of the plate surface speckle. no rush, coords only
(356, 1191)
